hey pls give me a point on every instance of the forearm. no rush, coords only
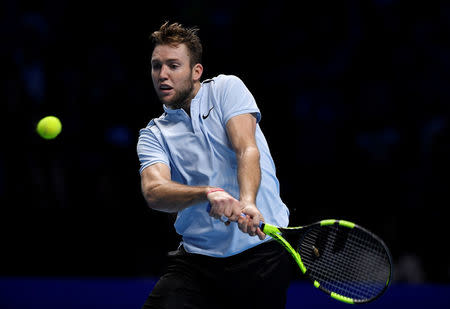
(170, 196)
(249, 173)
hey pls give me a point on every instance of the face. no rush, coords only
(175, 82)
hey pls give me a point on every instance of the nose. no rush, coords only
(163, 73)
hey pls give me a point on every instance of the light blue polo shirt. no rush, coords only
(198, 152)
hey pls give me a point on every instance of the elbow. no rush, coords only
(249, 152)
(155, 197)
(151, 201)
(151, 196)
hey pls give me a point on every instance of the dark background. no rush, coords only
(354, 101)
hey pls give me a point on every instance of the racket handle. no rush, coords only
(225, 218)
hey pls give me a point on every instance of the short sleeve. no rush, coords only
(149, 150)
(236, 99)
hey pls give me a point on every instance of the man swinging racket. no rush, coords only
(207, 152)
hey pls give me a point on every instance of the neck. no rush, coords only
(187, 105)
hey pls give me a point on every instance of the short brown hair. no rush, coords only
(175, 34)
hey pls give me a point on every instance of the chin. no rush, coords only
(165, 100)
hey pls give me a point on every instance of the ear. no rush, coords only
(197, 72)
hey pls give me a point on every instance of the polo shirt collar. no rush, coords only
(171, 111)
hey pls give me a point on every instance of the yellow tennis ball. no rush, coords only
(49, 127)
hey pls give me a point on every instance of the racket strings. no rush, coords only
(336, 281)
(342, 276)
(349, 262)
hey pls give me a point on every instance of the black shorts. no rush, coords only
(256, 278)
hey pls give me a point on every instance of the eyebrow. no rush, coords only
(167, 60)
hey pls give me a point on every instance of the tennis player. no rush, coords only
(207, 151)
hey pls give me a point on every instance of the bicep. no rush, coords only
(241, 131)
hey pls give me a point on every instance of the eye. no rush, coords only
(174, 66)
(156, 66)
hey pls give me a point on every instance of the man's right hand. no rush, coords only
(223, 204)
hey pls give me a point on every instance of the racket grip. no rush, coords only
(225, 218)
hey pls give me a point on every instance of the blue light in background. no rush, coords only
(119, 136)
(72, 293)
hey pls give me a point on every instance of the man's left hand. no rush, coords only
(250, 223)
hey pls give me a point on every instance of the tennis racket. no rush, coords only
(342, 259)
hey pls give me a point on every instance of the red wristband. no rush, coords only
(214, 190)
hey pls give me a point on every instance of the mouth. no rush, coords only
(163, 88)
